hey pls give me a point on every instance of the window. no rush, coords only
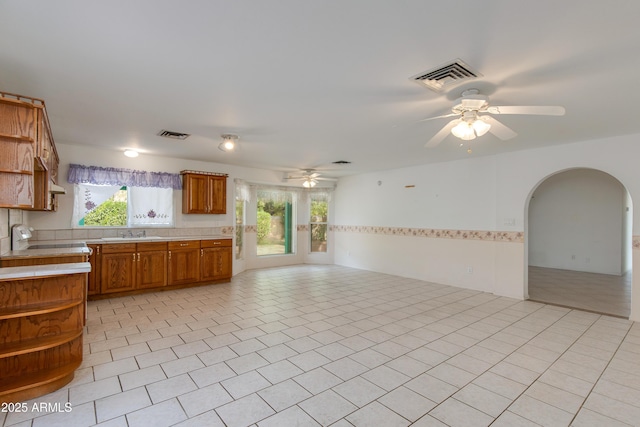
(275, 222)
(122, 206)
(113, 197)
(318, 221)
(239, 228)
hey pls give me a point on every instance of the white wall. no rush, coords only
(576, 222)
(478, 194)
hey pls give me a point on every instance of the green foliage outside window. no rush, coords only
(109, 213)
(264, 225)
(319, 211)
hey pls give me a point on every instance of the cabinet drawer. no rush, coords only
(215, 243)
(184, 244)
(113, 248)
(152, 246)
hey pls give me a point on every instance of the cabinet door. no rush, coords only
(216, 263)
(217, 194)
(94, 274)
(184, 266)
(152, 269)
(224, 263)
(194, 194)
(118, 272)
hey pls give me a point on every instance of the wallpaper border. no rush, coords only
(434, 233)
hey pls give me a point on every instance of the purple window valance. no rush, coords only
(80, 174)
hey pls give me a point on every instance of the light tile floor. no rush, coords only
(601, 293)
(328, 345)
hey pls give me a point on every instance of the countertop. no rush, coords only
(8, 273)
(26, 272)
(111, 240)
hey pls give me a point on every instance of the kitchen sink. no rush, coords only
(120, 239)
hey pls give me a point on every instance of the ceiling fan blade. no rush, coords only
(541, 110)
(325, 179)
(438, 117)
(442, 134)
(498, 129)
(314, 175)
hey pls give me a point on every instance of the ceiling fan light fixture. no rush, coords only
(228, 142)
(309, 183)
(481, 127)
(464, 131)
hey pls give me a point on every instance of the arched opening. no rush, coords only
(578, 242)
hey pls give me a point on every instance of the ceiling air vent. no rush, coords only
(174, 135)
(341, 162)
(444, 76)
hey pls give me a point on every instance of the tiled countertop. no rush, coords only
(7, 273)
(81, 267)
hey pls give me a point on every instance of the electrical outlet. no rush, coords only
(469, 269)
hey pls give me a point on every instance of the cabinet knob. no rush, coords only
(217, 243)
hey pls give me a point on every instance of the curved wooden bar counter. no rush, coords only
(42, 317)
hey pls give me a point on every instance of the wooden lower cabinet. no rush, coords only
(130, 266)
(41, 324)
(216, 259)
(93, 279)
(151, 265)
(184, 262)
(123, 268)
(118, 268)
(28, 261)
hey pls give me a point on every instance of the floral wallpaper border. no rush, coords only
(502, 236)
(499, 236)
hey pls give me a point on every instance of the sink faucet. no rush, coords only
(142, 233)
(130, 233)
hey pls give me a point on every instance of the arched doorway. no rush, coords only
(578, 240)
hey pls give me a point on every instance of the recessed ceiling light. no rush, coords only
(229, 142)
(131, 153)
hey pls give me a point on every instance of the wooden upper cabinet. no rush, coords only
(45, 165)
(28, 157)
(18, 118)
(204, 193)
(17, 139)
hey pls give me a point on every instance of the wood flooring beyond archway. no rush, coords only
(600, 293)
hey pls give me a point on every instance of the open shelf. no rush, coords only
(37, 344)
(19, 138)
(25, 387)
(34, 310)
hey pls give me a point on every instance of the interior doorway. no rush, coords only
(579, 242)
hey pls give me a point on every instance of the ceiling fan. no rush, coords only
(309, 177)
(472, 122)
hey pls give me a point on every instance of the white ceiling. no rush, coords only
(306, 83)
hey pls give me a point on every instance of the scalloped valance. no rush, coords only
(80, 174)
